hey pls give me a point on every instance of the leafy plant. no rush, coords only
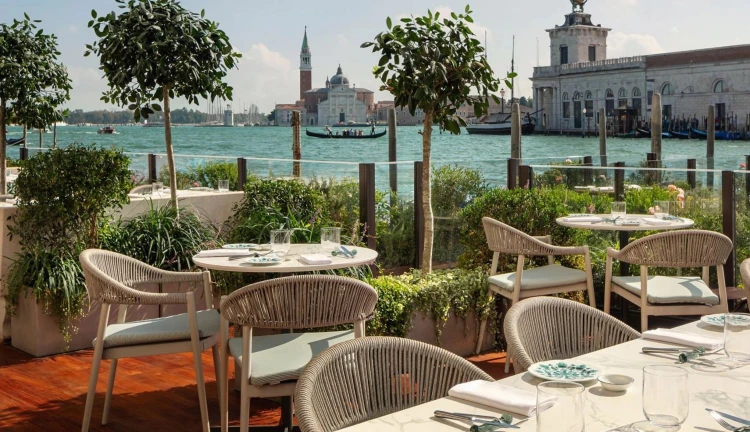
(209, 174)
(62, 195)
(31, 79)
(156, 50)
(433, 65)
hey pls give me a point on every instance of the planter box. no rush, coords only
(36, 333)
(458, 336)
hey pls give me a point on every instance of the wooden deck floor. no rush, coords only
(151, 393)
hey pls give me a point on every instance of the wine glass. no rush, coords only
(281, 241)
(737, 337)
(666, 400)
(559, 407)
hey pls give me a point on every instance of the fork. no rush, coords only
(723, 423)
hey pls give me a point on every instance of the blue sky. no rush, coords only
(269, 34)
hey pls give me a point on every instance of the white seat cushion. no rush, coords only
(548, 276)
(670, 289)
(168, 329)
(282, 357)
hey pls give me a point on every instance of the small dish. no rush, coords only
(240, 246)
(264, 261)
(264, 246)
(718, 319)
(562, 370)
(615, 383)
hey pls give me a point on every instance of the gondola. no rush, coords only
(334, 136)
(14, 141)
(680, 135)
(698, 134)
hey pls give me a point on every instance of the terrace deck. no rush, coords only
(151, 393)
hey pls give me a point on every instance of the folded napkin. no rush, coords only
(655, 221)
(501, 397)
(214, 253)
(683, 338)
(315, 259)
(582, 219)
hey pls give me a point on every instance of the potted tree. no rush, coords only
(155, 51)
(434, 64)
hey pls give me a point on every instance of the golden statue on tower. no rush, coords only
(578, 5)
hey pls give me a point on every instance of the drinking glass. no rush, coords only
(281, 241)
(559, 407)
(330, 239)
(223, 185)
(666, 400)
(661, 209)
(737, 337)
(618, 209)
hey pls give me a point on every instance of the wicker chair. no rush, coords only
(359, 380)
(550, 328)
(539, 281)
(295, 302)
(671, 295)
(143, 189)
(114, 279)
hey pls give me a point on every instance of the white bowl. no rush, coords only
(615, 383)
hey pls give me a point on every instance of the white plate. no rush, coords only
(565, 370)
(240, 246)
(264, 261)
(718, 319)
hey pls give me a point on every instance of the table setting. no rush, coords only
(659, 218)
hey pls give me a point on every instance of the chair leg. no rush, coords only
(97, 360)
(197, 361)
(217, 367)
(507, 362)
(644, 321)
(483, 327)
(245, 386)
(110, 387)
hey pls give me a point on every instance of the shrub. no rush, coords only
(62, 196)
(453, 187)
(209, 174)
(395, 232)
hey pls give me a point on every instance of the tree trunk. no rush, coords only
(170, 152)
(3, 185)
(427, 194)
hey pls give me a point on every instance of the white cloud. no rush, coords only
(88, 86)
(674, 29)
(632, 44)
(264, 77)
(445, 11)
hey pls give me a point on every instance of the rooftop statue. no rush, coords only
(578, 5)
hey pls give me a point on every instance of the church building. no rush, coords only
(338, 103)
(581, 79)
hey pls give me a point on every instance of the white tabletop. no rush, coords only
(726, 390)
(609, 226)
(364, 256)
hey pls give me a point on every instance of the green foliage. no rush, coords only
(159, 238)
(453, 187)
(395, 232)
(434, 64)
(62, 195)
(395, 307)
(209, 174)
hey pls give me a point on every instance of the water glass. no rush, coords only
(737, 337)
(661, 209)
(330, 239)
(559, 407)
(618, 209)
(281, 241)
(666, 399)
(223, 185)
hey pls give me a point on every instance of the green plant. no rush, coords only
(62, 196)
(156, 50)
(31, 79)
(395, 232)
(434, 65)
(454, 186)
(209, 174)
(160, 238)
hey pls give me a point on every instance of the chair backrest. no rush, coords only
(504, 238)
(366, 378)
(298, 302)
(551, 328)
(679, 249)
(745, 272)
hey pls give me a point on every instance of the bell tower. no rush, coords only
(578, 40)
(305, 68)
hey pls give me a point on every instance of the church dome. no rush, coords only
(339, 78)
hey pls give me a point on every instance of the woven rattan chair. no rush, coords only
(745, 273)
(550, 328)
(143, 189)
(545, 280)
(114, 279)
(367, 378)
(270, 365)
(671, 295)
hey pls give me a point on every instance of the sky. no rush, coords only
(269, 35)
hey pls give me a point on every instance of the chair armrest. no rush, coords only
(569, 250)
(546, 239)
(612, 252)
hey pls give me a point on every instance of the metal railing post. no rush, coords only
(152, 175)
(691, 166)
(729, 223)
(367, 202)
(241, 173)
(588, 173)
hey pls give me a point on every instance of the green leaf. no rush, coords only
(388, 23)
(93, 14)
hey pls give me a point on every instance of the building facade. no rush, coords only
(581, 79)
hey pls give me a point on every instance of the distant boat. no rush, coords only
(728, 135)
(698, 134)
(14, 141)
(680, 135)
(107, 130)
(334, 136)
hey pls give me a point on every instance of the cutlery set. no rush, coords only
(486, 423)
(721, 419)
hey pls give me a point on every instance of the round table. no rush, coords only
(364, 256)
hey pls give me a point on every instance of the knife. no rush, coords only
(488, 423)
(733, 418)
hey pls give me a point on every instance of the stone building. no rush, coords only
(581, 79)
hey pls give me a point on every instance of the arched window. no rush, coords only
(623, 93)
(666, 89)
(719, 86)
(637, 101)
(609, 104)
(636, 92)
(588, 95)
(565, 96)
(610, 94)
(577, 96)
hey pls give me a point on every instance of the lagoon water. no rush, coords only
(487, 153)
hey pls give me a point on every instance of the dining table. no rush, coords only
(713, 381)
(290, 265)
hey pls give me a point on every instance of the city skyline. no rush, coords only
(268, 72)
